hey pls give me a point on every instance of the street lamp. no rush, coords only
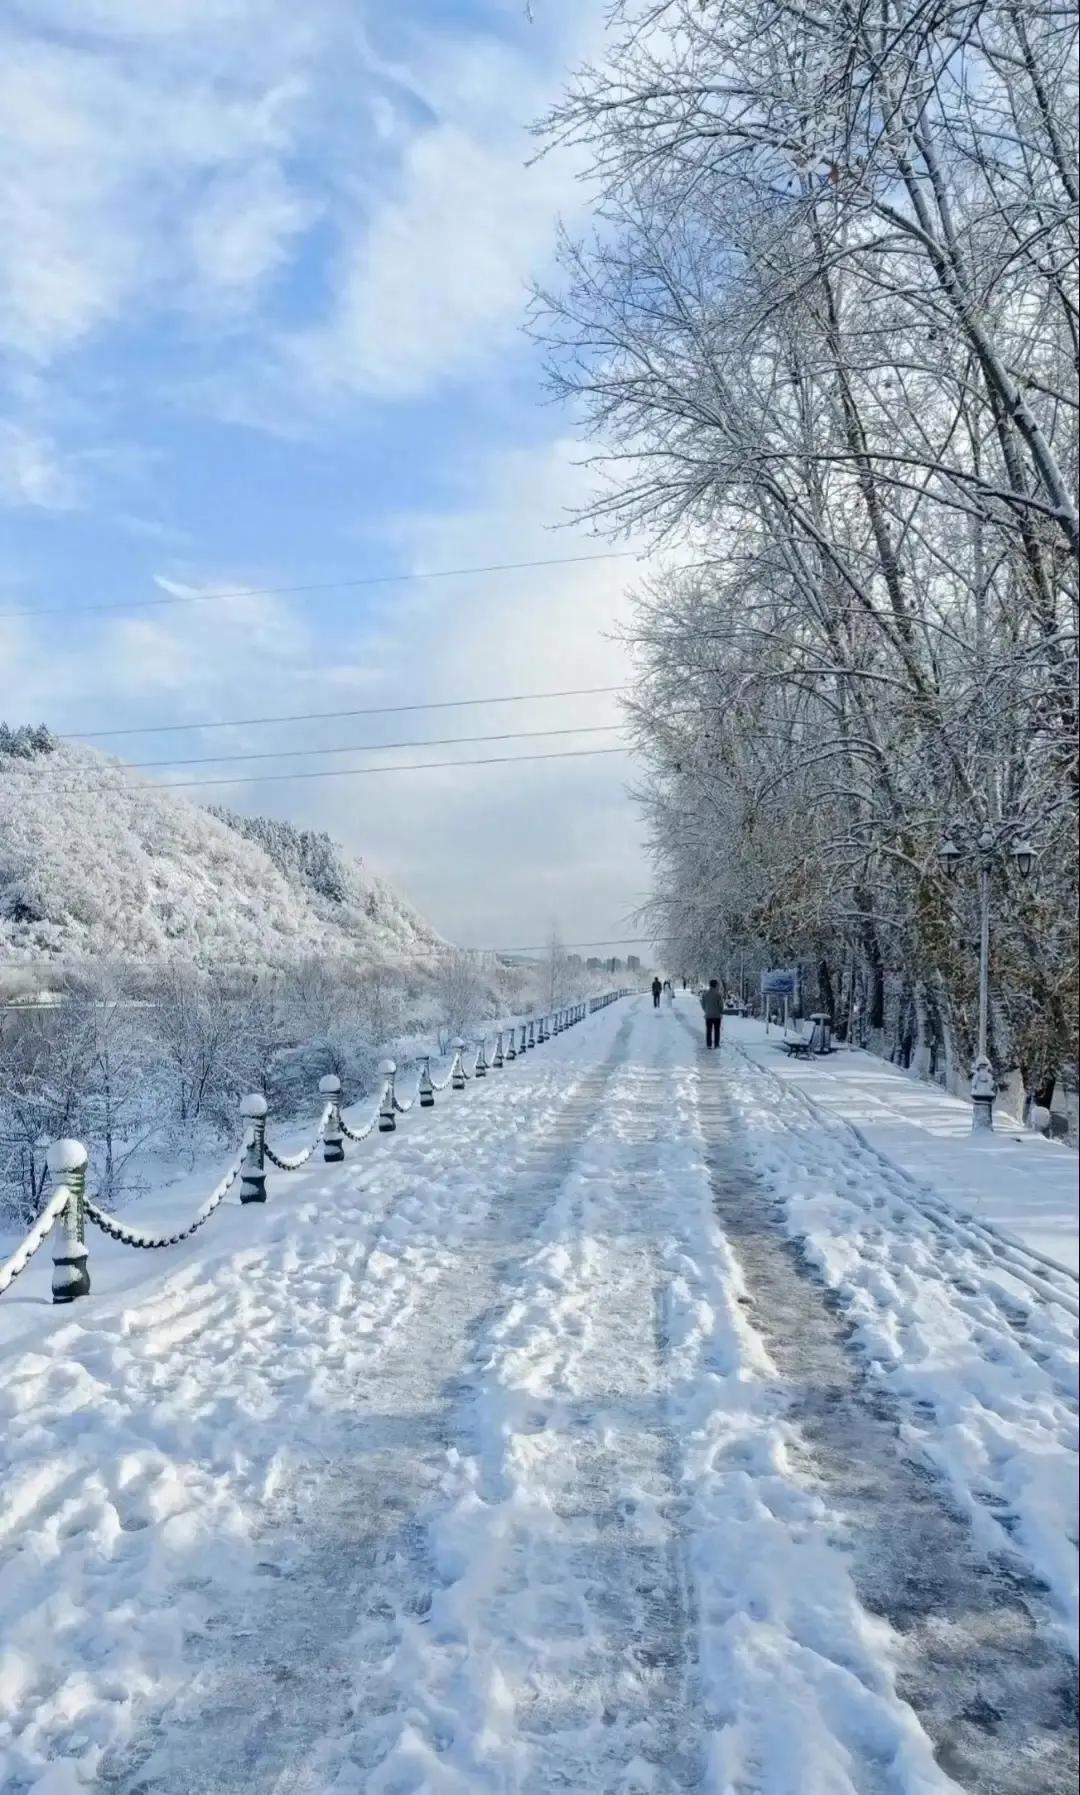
(984, 851)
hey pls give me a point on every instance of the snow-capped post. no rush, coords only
(253, 1171)
(481, 1066)
(387, 1118)
(425, 1090)
(511, 1037)
(66, 1161)
(983, 1092)
(523, 1043)
(532, 1034)
(497, 1056)
(333, 1140)
(457, 1071)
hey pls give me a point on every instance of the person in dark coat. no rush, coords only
(657, 987)
(712, 1005)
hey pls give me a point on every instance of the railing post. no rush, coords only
(457, 1071)
(983, 1092)
(387, 1118)
(425, 1090)
(253, 1170)
(532, 1034)
(481, 1066)
(66, 1161)
(497, 1056)
(333, 1141)
(511, 1037)
(523, 1043)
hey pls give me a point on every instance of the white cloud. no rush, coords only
(32, 471)
(243, 230)
(104, 196)
(433, 278)
(554, 840)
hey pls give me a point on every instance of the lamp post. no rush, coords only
(990, 843)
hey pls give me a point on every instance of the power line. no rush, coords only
(420, 766)
(376, 710)
(376, 579)
(41, 768)
(444, 741)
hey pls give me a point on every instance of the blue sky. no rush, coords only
(263, 270)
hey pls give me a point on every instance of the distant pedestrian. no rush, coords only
(669, 992)
(712, 1004)
(657, 987)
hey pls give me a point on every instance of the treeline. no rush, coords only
(827, 331)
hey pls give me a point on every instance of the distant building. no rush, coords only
(614, 964)
(594, 964)
(633, 963)
(573, 960)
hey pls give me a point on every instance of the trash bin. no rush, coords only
(821, 1034)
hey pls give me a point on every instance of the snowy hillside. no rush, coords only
(93, 861)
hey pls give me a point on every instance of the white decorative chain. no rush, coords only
(40, 1231)
(291, 1162)
(361, 1134)
(137, 1237)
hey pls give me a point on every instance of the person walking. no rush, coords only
(669, 993)
(712, 1005)
(657, 987)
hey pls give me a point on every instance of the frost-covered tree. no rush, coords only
(826, 333)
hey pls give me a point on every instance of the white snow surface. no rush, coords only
(1024, 1185)
(464, 1467)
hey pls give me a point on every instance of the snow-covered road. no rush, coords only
(615, 1428)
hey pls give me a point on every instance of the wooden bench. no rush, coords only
(797, 1046)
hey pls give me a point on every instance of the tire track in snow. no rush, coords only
(1040, 1280)
(995, 1695)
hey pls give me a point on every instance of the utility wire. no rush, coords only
(376, 710)
(40, 768)
(420, 766)
(375, 579)
(444, 741)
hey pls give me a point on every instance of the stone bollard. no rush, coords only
(333, 1140)
(511, 1037)
(532, 1034)
(66, 1161)
(481, 1067)
(524, 1041)
(425, 1090)
(457, 1071)
(253, 1171)
(983, 1092)
(387, 1117)
(497, 1057)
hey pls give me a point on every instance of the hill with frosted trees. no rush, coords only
(93, 861)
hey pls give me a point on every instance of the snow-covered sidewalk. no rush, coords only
(522, 1454)
(1024, 1185)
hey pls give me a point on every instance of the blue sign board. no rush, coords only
(782, 981)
